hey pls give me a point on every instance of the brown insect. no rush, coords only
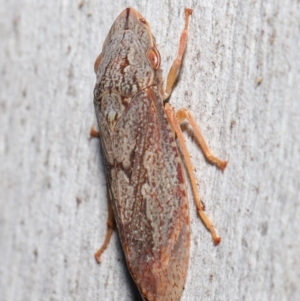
(144, 171)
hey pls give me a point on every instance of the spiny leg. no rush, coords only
(173, 121)
(173, 73)
(110, 227)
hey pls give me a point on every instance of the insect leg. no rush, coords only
(173, 73)
(94, 133)
(110, 218)
(110, 227)
(183, 114)
(174, 122)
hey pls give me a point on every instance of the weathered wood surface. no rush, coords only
(240, 78)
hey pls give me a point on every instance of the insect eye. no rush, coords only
(143, 20)
(154, 58)
(97, 62)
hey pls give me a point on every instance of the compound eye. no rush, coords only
(153, 57)
(97, 62)
(143, 20)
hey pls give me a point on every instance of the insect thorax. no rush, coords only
(123, 72)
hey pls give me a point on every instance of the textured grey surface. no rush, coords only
(52, 186)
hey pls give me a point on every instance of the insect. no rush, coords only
(139, 133)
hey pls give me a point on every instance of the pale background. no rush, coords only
(240, 78)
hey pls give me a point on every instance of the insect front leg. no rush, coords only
(173, 73)
(110, 227)
(174, 120)
(94, 133)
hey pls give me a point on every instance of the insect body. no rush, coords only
(144, 171)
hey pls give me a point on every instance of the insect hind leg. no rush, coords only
(174, 120)
(110, 227)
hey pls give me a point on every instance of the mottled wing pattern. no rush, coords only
(143, 167)
(150, 204)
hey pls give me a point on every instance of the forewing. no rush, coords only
(150, 204)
